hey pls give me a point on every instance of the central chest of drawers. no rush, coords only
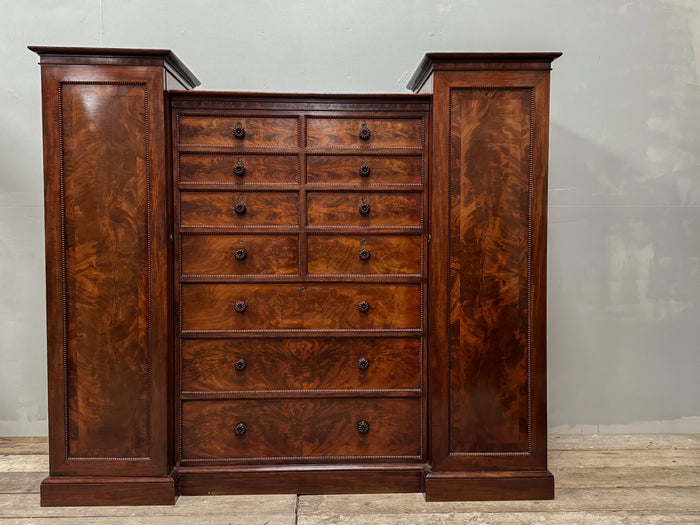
(300, 272)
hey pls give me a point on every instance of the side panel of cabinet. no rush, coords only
(107, 235)
(488, 272)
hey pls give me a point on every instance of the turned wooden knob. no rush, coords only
(239, 131)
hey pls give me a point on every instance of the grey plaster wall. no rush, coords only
(624, 237)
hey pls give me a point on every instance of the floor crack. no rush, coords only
(296, 511)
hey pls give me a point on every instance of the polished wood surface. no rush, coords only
(487, 279)
(219, 209)
(301, 307)
(385, 209)
(364, 255)
(227, 254)
(345, 133)
(216, 168)
(107, 265)
(488, 270)
(308, 364)
(300, 429)
(345, 169)
(209, 130)
(273, 293)
(104, 132)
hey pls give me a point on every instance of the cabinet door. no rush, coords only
(107, 260)
(488, 272)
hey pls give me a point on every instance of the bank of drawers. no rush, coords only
(301, 252)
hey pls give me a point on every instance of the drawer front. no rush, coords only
(280, 132)
(301, 307)
(238, 169)
(272, 429)
(367, 255)
(240, 255)
(364, 209)
(300, 364)
(345, 133)
(356, 169)
(302, 428)
(239, 209)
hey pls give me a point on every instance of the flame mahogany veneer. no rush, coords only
(268, 293)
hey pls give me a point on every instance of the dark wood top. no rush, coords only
(210, 100)
(117, 56)
(478, 61)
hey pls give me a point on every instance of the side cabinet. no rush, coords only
(487, 278)
(106, 176)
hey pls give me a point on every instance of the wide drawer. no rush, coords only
(301, 364)
(240, 255)
(302, 428)
(301, 306)
(356, 169)
(207, 168)
(364, 255)
(348, 133)
(364, 209)
(206, 130)
(244, 209)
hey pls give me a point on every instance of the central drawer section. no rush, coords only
(300, 247)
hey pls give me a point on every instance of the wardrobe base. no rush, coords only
(60, 491)
(489, 486)
(327, 479)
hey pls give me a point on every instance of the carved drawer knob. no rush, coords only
(240, 254)
(365, 170)
(239, 130)
(240, 307)
(363, 363)
(362, 426)
(241, 365)
(240, 208)
(364, 132)
(240, 429)
(364, 208)
(363, 307)
(364, 254)
(239, 168)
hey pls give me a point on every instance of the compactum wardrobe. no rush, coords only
(267, 293)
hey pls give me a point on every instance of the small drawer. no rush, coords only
(356, 169)
(242, 131)
(364, 255)
(239, 209)
(300, 364)
(264, 307)
(264, 429)
(364, 209)
(254, 428)
(364, 133)
(207, 168)
(240, 255)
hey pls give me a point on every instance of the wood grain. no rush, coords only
(344, 169)
(217, 209)
(104, 131)
(301, 307)
(301, 428)
(488, 270)
(264, 254)
(279, 132)
(208, 168)
(389, 255)
(384, 133)
(386, 209)
(301, 364)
